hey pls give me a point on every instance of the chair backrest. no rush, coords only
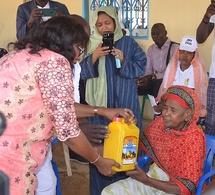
(54, 141)
(210, 153)
(210, 190)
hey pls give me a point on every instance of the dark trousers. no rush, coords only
(98, 181)
(210, 118)
(151, 89)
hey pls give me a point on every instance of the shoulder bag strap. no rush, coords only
(168, 54)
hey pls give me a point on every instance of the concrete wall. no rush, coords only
(8, 11)
(180, 17)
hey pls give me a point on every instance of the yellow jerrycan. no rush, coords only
(122, 144)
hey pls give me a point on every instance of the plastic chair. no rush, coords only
(208, 170)
(143, 160)
(55, 168)
(210, 190)
(208, 163)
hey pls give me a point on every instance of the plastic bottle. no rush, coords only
(122, 144)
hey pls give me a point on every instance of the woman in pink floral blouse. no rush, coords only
(37, 100)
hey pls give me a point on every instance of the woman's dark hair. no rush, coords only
(58, 34)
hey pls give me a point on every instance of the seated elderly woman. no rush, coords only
(177, 147)
(186, 68)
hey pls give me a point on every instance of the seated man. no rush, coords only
(158, 56)
(177, 147)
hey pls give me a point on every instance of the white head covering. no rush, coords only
(188, 43)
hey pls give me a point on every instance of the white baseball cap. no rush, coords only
(188, 43)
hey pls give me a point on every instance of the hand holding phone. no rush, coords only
(48, 11)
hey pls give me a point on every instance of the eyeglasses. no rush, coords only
(81, 50)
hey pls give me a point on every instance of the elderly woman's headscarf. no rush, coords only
(177, 143)
(187, 98)
(96, 88)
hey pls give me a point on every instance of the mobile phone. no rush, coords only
(48, 11)
(108, 39)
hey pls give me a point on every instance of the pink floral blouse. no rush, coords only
(37, 100)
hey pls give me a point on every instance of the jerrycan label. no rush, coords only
(129, 150)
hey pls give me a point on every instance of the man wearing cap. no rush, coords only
(186, 69)
(204, 29)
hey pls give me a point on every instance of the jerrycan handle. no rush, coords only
(118, 119)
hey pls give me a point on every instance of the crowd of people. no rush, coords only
(58, 74)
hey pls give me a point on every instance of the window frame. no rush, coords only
(141, 32)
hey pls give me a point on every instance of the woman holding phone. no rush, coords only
(110, 77)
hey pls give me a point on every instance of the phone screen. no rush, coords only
(49, 12)
(108, 39)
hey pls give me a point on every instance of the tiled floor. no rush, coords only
(78, 183)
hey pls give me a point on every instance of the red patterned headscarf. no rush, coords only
(178, 153)
(186, 97)
(177, 99)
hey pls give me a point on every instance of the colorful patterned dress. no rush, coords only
(37, 100)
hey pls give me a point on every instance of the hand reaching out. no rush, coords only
(94, 133)
(126, 113)
(104, 166)
(137, 174)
